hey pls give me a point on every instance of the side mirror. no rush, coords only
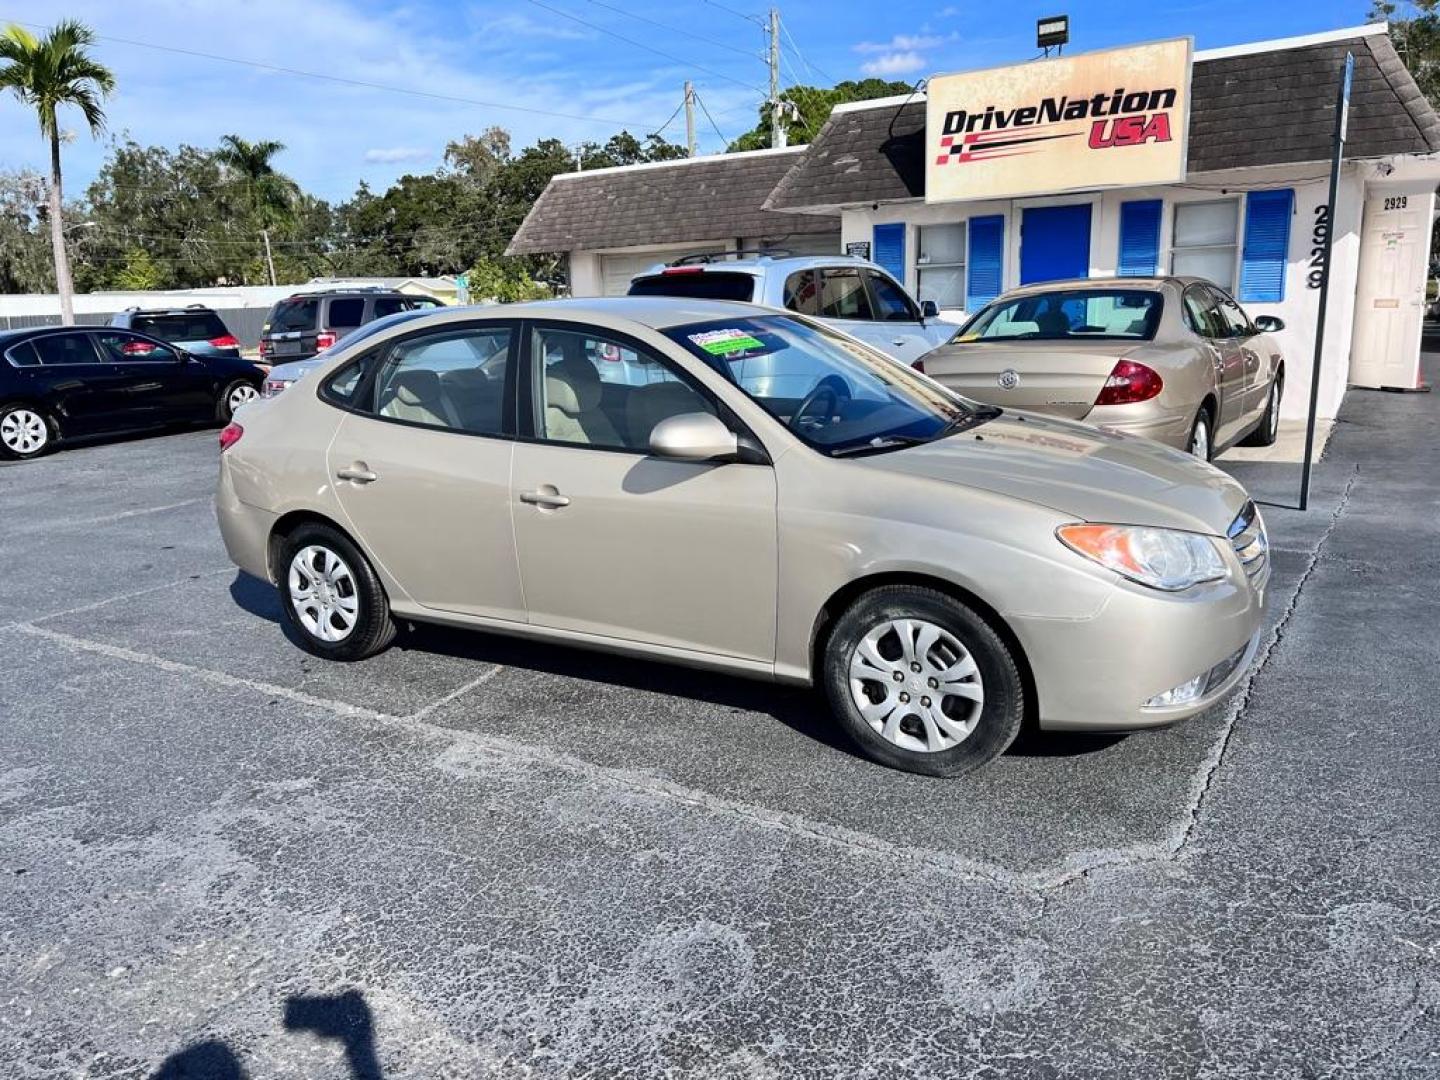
(929, 309)
(1269, 324)
(696, 436)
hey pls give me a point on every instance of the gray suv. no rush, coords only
(310, 322)
(196, 329)
(849, 294)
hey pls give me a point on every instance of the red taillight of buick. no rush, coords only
(225, 341)
(1130, 383)
(230, 435)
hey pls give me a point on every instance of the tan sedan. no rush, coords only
(1171, 359)
(758, 494)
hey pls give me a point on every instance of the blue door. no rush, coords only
(1054, 243)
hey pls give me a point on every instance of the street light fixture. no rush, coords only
(1052, 31)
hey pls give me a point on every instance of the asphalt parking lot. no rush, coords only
(470, 857)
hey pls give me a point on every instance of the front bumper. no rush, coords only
(1096, 674)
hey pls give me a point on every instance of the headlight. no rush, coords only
(1160, 558)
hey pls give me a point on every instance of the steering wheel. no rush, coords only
(824, 391)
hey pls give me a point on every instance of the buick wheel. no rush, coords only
(24, 432)
(920, 682)
(1200, 444)
(331, 595)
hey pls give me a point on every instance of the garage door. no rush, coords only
(617, 270)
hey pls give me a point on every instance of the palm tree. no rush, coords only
(269, 195)
(46, 73)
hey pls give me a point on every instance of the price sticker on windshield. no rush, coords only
(727, 342)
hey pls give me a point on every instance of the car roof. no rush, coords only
(1159, 281)
(189, 309)
(656, 312)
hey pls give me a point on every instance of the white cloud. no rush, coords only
(900, 63)
(391, 154)
(903, 43)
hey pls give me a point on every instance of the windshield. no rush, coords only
(835, 394)
(1068, 315)
(696, 284)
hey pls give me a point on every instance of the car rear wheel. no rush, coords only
(331, 596)
(25, 432)
(238, 393)
(922, 683)
(1201, 443)
(1269, 428)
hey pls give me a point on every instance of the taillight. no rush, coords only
(610, 353)
(225, 341)
(265, 348)
(136, 348)
(230, 435)
(1128, 383)
(324, 339)
(682, 270)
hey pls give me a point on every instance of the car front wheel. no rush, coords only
(922, 683)
(331, 596)
(25, 432)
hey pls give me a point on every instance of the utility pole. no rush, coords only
(269, 261)
(690, 118)
(777, 125)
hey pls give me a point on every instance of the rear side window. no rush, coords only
(63, 350)
(389, 305)
(842, 295)
(291, 316)
(1202, 315)
(23, 355)
(191, 326)
(697, 285)
(343, 388)
(346, 314)
(801, 294)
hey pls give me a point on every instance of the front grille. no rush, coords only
(1247, 536)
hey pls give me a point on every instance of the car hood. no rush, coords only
(1080, 471)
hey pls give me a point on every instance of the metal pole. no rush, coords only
(1342, 112)
(777, 127)
(690, 117)
(269, 261)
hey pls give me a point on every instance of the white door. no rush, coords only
(1390, 297)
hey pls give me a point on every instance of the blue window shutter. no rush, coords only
(890, 249)
(1266, 252)
(987, 260)
(1140, 238)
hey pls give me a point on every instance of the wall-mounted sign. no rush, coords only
(1118, 118)
(858, 249)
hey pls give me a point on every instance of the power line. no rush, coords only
(809, 67)
(640, 44)
(701, 102)
(756, 19)
(388, 87)
(676, 29)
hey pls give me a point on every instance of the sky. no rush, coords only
(571, 69)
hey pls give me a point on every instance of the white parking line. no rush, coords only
(96, 604)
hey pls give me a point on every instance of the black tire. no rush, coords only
(14, 445)
(998, 718)
(373, 628)
(1202, 417)
(1269, 429)
(224, 409)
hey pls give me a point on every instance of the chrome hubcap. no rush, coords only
(1200, 440)
(24, 431)
(322, 592)
(916, 685)
(242, 395)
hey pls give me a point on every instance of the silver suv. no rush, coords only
(850, 294)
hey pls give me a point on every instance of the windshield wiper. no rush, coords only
(878, 445)
(982, 414)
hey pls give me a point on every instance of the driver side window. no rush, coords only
(891, 303)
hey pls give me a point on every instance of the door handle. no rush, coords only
(359, 473)
(547, 498)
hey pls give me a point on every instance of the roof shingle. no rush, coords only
(1270, 108)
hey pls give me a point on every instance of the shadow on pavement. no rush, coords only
(344, 1018)
(800, 709)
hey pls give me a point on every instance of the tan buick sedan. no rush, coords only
(743, 489)
(1172, 359)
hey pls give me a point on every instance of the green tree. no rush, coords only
(139, 273)
(806, 108)
(268, 195)
(25, 259)
(48, 73)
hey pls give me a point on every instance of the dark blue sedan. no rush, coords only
(62, 383)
